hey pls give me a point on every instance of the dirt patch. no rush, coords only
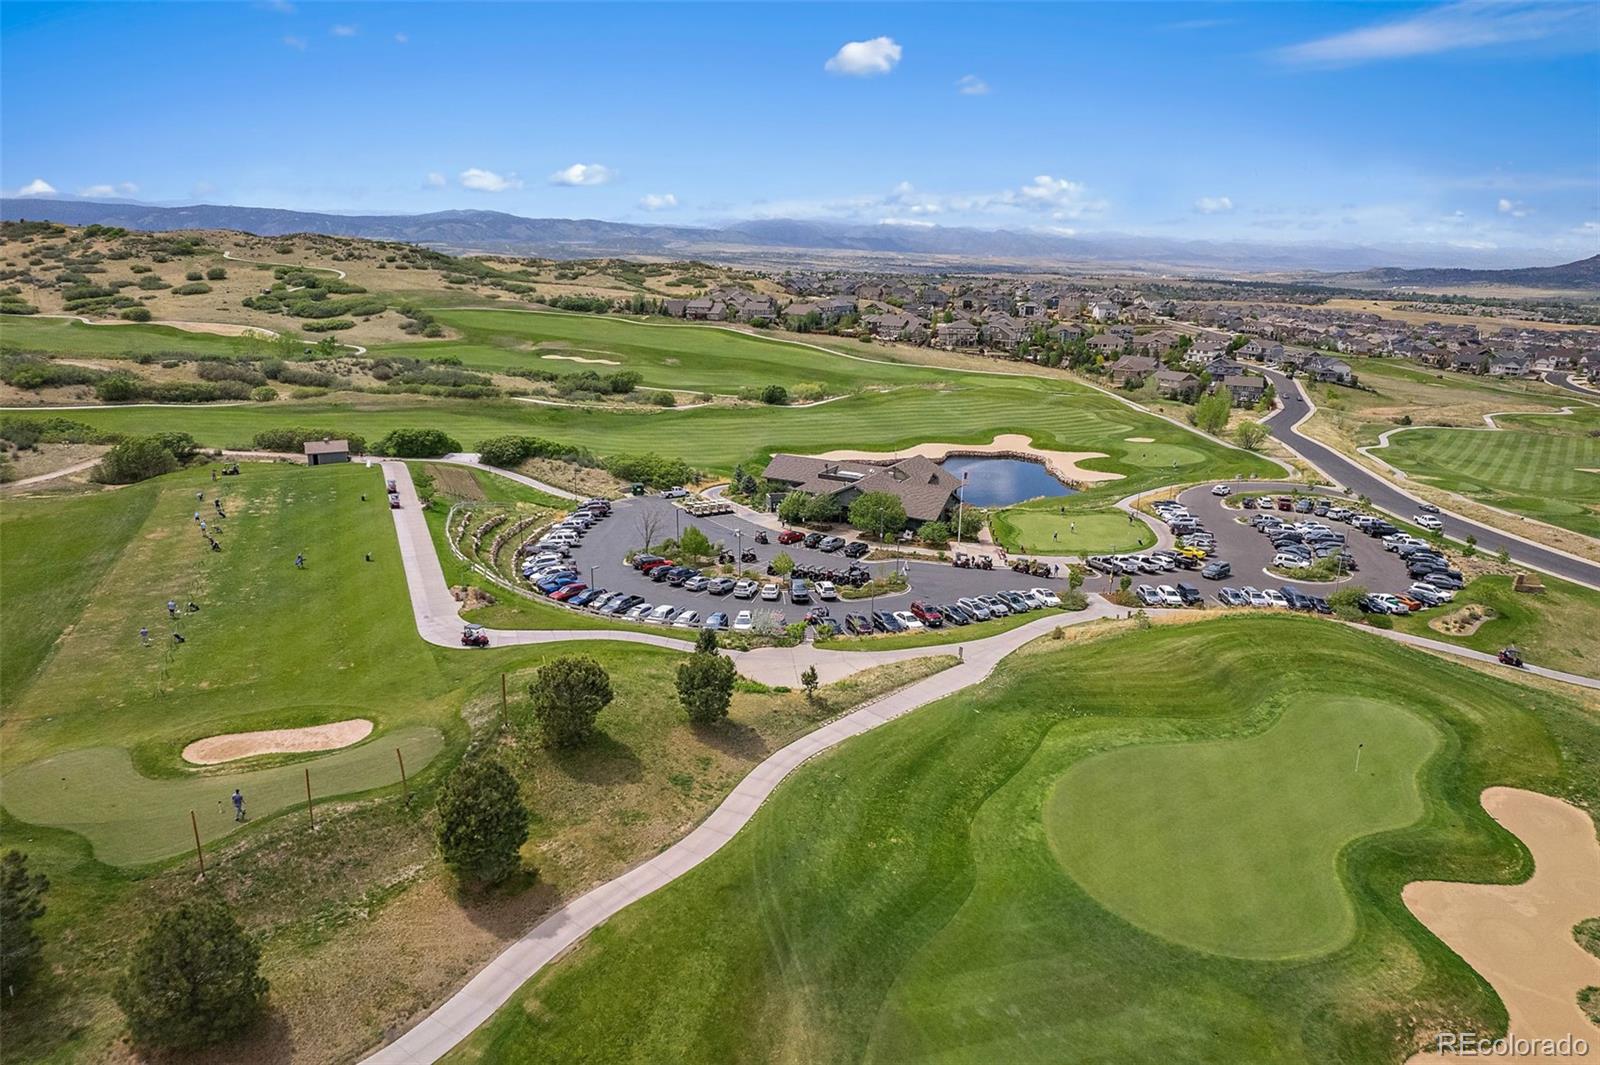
(1519, 936)
(587, 481)
(235, 745)
(1463, 622)
(1140, 439)
(455, 481)
(1064, 464)
(581, 358)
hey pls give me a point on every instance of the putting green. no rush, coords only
(1232, 846)
(131, 819)
(1046, 532)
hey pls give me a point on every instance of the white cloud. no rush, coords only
(584, 174)
(662, 201)
(1060, 197)
(863, 59)
(37, 187)
(972, 85)
(1448, 28)
(1213, 204)
(297, 43)
(434, 180)
(488, 180)
(401, 38)
(1514, 208)
(916, 223)
(125, 188)
(1588, 227)
(343, 30)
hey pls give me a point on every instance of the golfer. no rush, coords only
(300, 561)
(238, 805)
(172, 608)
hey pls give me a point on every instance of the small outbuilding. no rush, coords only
(323, 452)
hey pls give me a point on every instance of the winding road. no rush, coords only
(1564, 380)
(435, 611)
(1297, 407)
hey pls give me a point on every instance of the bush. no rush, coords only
(663, 399)
(152, 283)
(934, 532)
(654, 470)
(136, 314)
(21, 904)
(330, 326)
(775, 395)
(705, 686)
(229, 371)
(216, 273)
(294, 440)
(194, 275)
(264, 394)
(193, 978)
(568, 694)
(482, 821)
(416, 443)
(792, 508)
(136, 459)
(196, 288)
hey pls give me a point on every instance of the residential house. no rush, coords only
(1132, 369)
(1107, 344)
(957, 334)
(1512, 365)
(1177, 384)
(894, 325)
(1471, 360)
(1246, 389)
(1328, 369)
(1104, 311)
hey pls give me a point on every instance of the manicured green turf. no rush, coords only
(1555, 628)
(1232, 846)
(1049, 531)
(131, 819)
(668, 354)
(1540, 465)
(897, 900)
(64, 336)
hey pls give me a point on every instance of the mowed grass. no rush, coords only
(1556, 628)
(1232, 846)
(898, 900)
(1051, 531)
(63, 336)
(1542, 466)
(668, 354)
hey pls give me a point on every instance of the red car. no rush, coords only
(926, 614)
(791, 536)
(561, 595)
(655, 563)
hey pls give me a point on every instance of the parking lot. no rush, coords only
(600, 559)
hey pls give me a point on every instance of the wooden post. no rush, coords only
(405, 787)
(198, 853)
(503, 711)
(310, 811)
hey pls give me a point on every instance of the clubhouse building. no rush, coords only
(924, 488)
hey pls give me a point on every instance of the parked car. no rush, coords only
(953, 614)
(927, 614)
(746, 589)
(1428, 521)
(1168, 595)
(828, 626)
(770, 592)
(1147, 595)
(743, 622)
(827, 590)
(638, 612)
(716, 621)
(799, 592)
(1275, 598)
(791, 536)
(569, 592)
(675, 492)
(811, 539)
(689, 619)
(1216, 571)
(1046, 596)
(979, 611)
(696, 583)
(1232, 597)
(907, 620)
(883, 621)
(997, 607)
(856, 549)
(1190, 595)
(830, 543)
(857, 624)
(662, 614)
(720, 585)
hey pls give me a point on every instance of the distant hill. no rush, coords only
(798, 242)
(1582, 274)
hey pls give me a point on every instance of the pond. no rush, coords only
(1000, 482)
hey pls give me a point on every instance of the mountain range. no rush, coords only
(799, 243)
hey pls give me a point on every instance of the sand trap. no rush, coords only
(580, 358)
(1139, 439)
(1064, 464)
(1519, 937)
(235, 745)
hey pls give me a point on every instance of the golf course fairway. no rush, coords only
(1232, 846)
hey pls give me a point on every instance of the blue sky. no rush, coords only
(1473, 124)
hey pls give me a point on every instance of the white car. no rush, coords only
(1423, 590)
(1275, 598)
(1286, 561)
(689, 619)
(675, 492)
(770, 592)
(662, 614)
(1222, 490)
(1046, 596)
(1256, 596)
(908, 619)
(696, 584)
(743, 622)
(826, 590)
(1169, 595)
(1428, 521)
(746, 589)
(1389, 603)
(638, 613)
(997, 609)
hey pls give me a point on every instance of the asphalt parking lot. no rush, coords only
(1250, 553)
(600, 559)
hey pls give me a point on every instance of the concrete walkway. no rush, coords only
(65, 471)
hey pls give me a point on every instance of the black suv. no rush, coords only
(856, 549)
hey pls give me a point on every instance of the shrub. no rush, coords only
(792, 508)
(934, 532)
(663, 399)
(264, 394)
(21, 904)
(136, 314)
(193, 978)
(196, 288)
(482, 821)
(152, 283)
(655, 470)
(705, 686)
(330, 326)
(194, 275)
(416, 443)
(216, 273)
(118, 388)
(775, 395)
(216, 370)
(568, 694)
(294, 440)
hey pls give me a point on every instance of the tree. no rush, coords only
(193, 978)
(775, 395)
(705, 686)
(934, 532)
(1211, 413)
(1075, 575)
(326, 348)
(568, 694)
(706, 642)
(792, 509)
(695, 544)
(878, 512)
(823, 508)
(808, 681)
(482, 821)
(416, 443)
(649, 524)
(137, 458)
(21, 904)
(1250, 435)
(782, 564)
(1346, 601)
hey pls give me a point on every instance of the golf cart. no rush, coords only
(1510, 656)
(231, 470)
(474, 636)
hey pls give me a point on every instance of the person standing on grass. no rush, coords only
(197, 515)
(144, 635)
(300, 561)
(172, 608)
(238, 805)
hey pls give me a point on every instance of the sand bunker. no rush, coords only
(1519, 936)
(580, 358)
(1064, 464)
(227, 748)
(1140, 439)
